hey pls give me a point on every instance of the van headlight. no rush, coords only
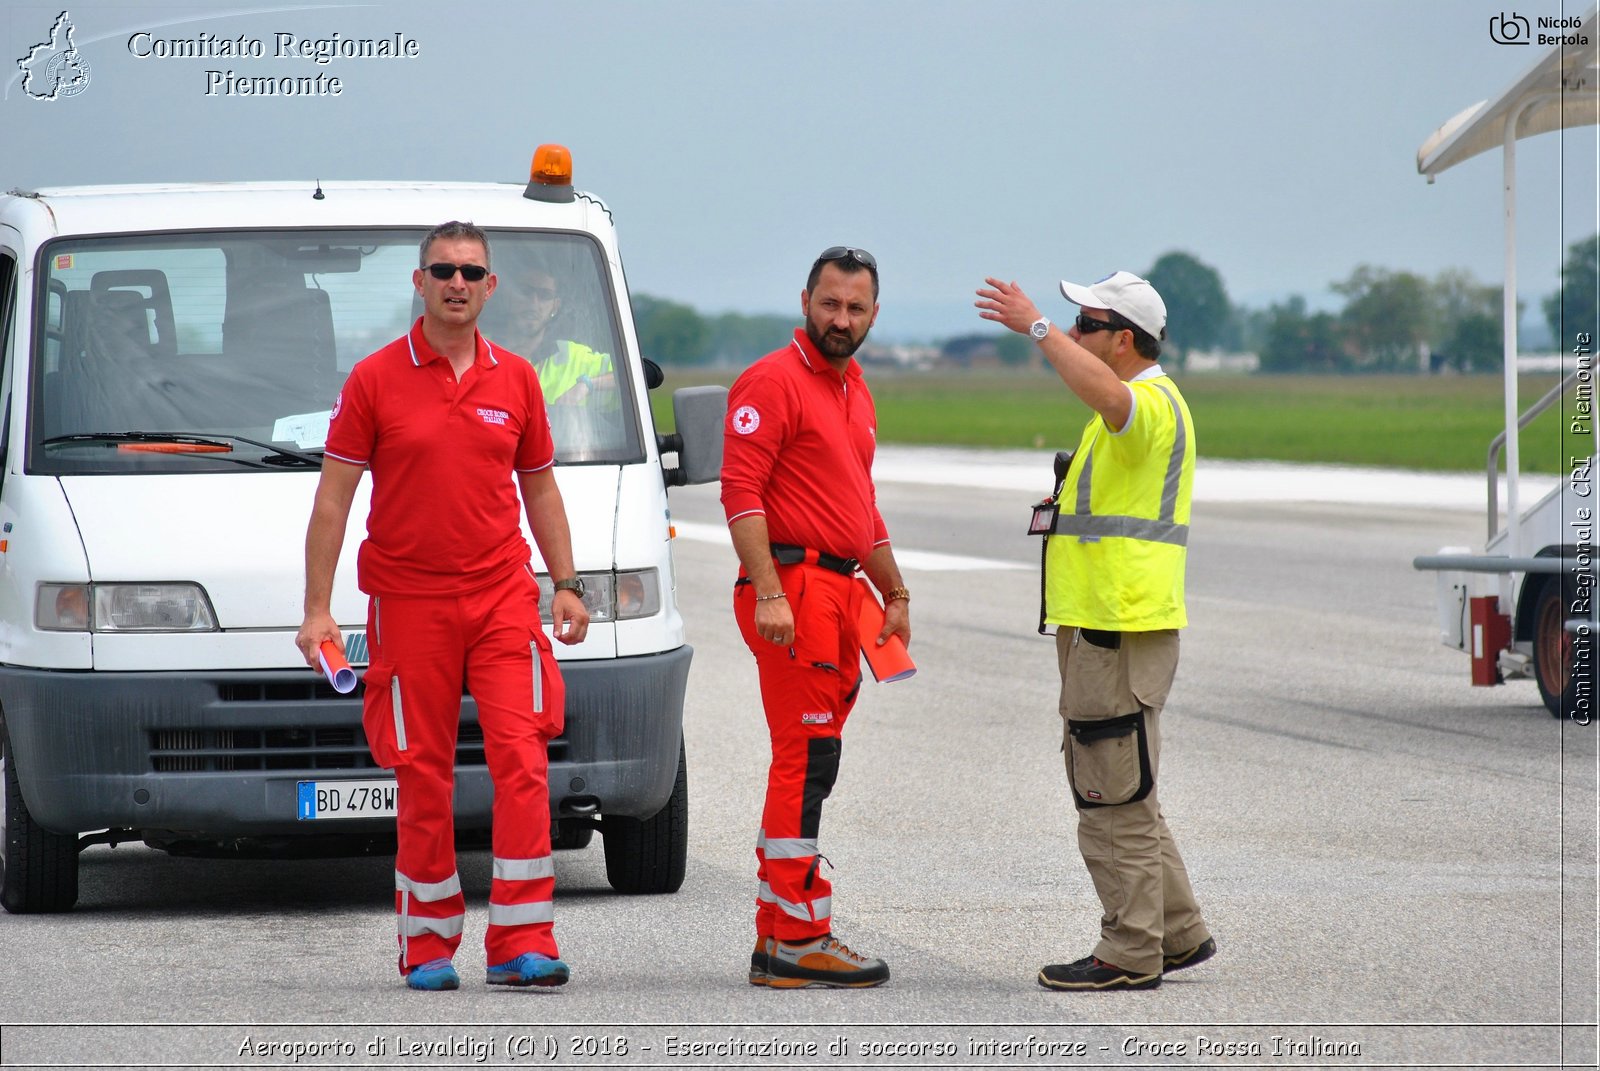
(611, 596)
(124, 608)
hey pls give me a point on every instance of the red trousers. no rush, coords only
(807, 689)
(423, 650)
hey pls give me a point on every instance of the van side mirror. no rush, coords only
(698, 413)
(653, 376)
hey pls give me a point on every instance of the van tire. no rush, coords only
(38, 869)
(1552, 651)
(647, 855)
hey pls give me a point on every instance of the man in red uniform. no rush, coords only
(444, 420)
(802, 511)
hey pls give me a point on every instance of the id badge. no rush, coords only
(1044, 518)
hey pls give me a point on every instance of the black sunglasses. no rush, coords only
(444, 271)
(1088, 325)
(845, 252)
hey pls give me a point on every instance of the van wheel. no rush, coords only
(38, 869)
(1552, 652)
(648, 855)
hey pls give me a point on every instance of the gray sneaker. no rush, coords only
(824, 961)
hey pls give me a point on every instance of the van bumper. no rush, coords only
(208, 755)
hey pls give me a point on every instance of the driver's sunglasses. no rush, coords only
(1087, 325)
(845, 252)
(444, 271)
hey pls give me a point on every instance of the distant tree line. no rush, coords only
(674, 334)
(1391, 321)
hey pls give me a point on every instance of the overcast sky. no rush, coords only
(733, 139)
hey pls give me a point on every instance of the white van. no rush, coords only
(170, 356)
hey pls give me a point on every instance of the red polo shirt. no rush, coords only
(798, 447)
(445, 517)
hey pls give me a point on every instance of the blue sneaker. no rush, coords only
(530, 968)
(434, 975)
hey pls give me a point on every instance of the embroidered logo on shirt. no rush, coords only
(337, 399)
(494, 416)
(746, 419)
(820, 717)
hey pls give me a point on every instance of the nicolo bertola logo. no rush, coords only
(54, 68)
(1512, 28)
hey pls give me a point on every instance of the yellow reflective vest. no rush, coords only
(1116, 555)
(572, 361)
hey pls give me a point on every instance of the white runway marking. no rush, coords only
(1214, 481)
(910, 561)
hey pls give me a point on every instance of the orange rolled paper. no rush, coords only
(335, 668)
(891, 662)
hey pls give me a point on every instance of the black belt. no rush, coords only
(784, 554)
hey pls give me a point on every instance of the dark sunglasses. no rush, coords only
(1088, 325)
(444, 271)
(844, 252)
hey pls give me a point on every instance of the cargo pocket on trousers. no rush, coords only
(549, 689)
(1110, 760)
(383, 716)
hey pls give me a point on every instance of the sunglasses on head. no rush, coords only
(444, 271)
(1087, 325)
(845, 252)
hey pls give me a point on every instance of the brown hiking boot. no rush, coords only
(760, 960)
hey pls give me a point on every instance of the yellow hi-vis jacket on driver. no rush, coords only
(571, 362)
(1116, 556)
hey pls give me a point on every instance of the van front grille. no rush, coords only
(317, 748)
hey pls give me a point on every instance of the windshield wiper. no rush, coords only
(313, 458)
(203, 444)
(138, 437)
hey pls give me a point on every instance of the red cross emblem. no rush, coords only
(746, 420)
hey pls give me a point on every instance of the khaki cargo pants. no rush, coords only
(1113, 686)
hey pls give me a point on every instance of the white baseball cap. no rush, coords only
(1125, 294)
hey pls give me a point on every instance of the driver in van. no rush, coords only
(570, 373)
(452, 426)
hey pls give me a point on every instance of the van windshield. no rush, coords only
(225, 351)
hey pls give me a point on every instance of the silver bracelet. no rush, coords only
(769, 598)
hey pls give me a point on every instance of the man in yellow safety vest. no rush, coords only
(1117, 539)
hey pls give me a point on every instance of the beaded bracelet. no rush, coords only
(769, 598)
(897, 593)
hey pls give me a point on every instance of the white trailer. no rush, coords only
(1524, 605)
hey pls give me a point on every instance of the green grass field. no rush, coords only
(1414, 422)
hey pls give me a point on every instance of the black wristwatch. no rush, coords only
(573, 584)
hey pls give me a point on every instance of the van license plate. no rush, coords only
(346, 799)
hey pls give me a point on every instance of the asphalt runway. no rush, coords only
(1399, 869)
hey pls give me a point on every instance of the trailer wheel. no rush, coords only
(1552, 651)
(649, 855)
(38, 869)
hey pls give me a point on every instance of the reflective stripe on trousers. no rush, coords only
(514, 878)
(435, 894)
